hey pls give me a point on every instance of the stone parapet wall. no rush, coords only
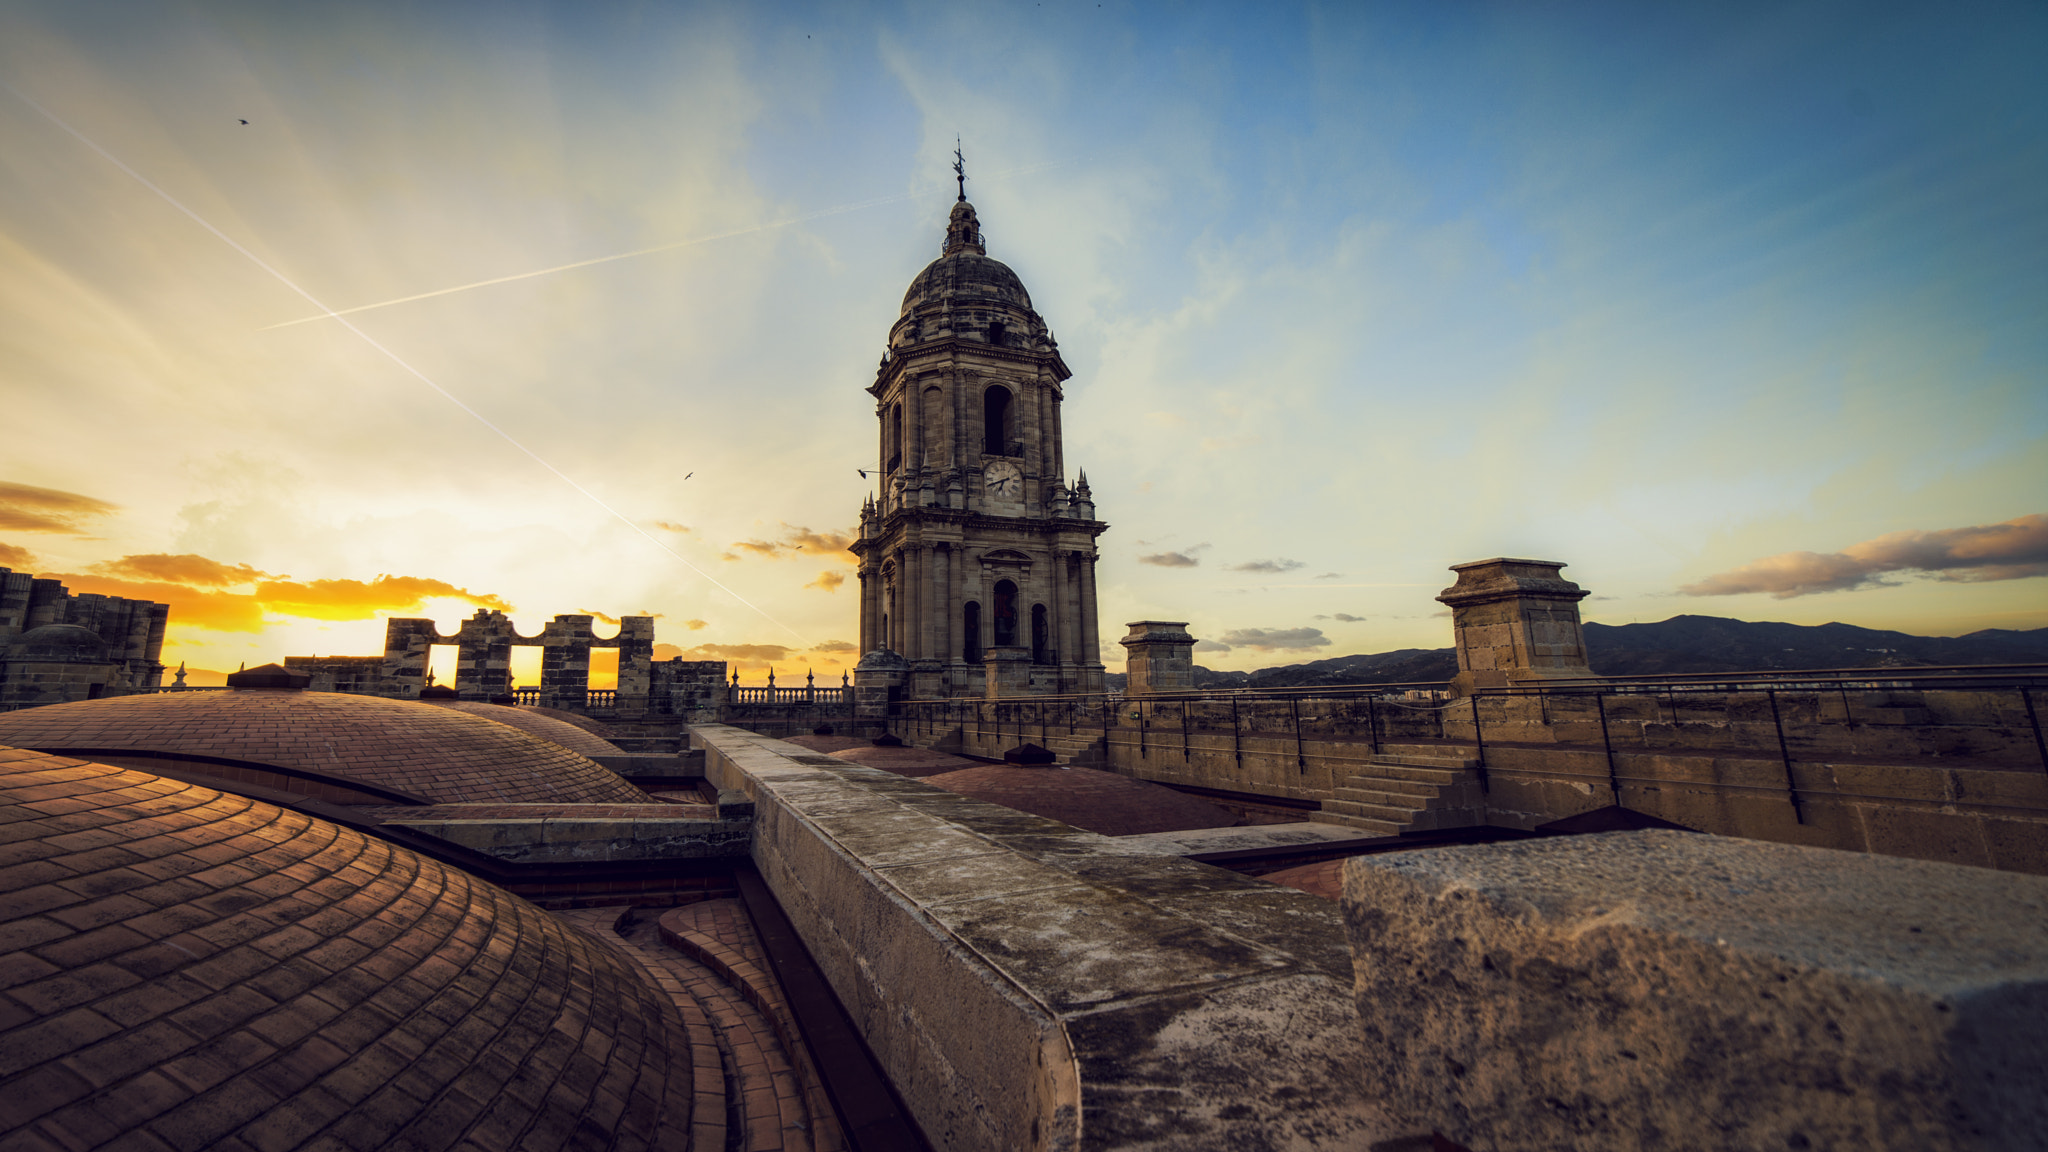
(1950, 776)
(1026, 985)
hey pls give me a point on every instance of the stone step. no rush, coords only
(1362, 823)
(1388, 799)
(1396, 817)
(1453, 763)
(1441, 777)
(1420, 790)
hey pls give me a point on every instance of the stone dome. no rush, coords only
(966, 279)
(434, 753)
(576, 739)
(66, 643)
(964, 276)
(188, 968)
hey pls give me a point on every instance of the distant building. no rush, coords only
(57, 647)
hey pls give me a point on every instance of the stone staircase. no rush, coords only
(1408, 788)
(1082, 748)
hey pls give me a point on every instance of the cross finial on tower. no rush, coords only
(960, 169)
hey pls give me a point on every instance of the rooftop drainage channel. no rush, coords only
(870, 1113)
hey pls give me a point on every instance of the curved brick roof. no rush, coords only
(439, 753)
(568, 717)
(186, 968)
(575, 738)
(1086, 798)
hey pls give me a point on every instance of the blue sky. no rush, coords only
(1677, 294)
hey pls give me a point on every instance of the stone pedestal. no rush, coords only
(1161, 657)
(1649, 990)
(1515, 621)
(1009, 671)
(878, 682)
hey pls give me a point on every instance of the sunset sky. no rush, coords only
(1739, 309)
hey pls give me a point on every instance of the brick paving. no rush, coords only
(1086, 798)
(440, 753)
(574, 737)
(706, 955)
(182, 968)
(1324, 878)
(664, 810)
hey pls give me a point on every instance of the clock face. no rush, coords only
(1005, 480)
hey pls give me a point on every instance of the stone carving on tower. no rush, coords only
(977, 561)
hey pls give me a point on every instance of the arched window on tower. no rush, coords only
(1006, 614)
(895, 437)
(1041, 636)
(995, 421)
(970, 631)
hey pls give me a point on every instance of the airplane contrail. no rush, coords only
(784, 223)
(393, 356)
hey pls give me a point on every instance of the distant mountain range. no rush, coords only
(1680, 644)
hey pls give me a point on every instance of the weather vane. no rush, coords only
(960, 169)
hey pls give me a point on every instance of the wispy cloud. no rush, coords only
(25, 508)
(671, 526)
(16, 557)
(1211, 646)
(1169, 560)
(696, 625)
(836, 646)
(1274, 565)
(1346, 617)
(828, 581)
(2012, 550)
(1276, 639)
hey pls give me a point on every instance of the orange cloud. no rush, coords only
(186, 568)
(695, 625)
(797, 541)
(828, 581)
(25, 508)
(361, 600)
(190, 607)
(2012, 550)
(671, 526)
(15, 556)
(770, 652)
(612, 620)
(836, 646)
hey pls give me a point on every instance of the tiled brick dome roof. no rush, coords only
(1086, 798)
(576, 739)
(187, 969)
(438, 753)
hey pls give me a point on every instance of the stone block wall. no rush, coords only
(1651, 990)
(1515, 620)
(132, 631)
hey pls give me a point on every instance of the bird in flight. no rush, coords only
(245, 121)
(687, 475)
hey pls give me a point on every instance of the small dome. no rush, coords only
(296, 984)
(59, 642)
(436, 753)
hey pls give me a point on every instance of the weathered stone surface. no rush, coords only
(1670, 990)
(1159, 657)
(1515, 620)
(1028, 985)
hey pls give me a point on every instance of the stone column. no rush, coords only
(878, 682)
(1161, 657)
(1009, 671)
(406, 642)
(1515, 621)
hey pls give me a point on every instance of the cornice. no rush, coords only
(949, 351)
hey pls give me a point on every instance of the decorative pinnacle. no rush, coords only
(960, 169)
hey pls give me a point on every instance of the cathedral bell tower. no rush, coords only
(977, 561)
